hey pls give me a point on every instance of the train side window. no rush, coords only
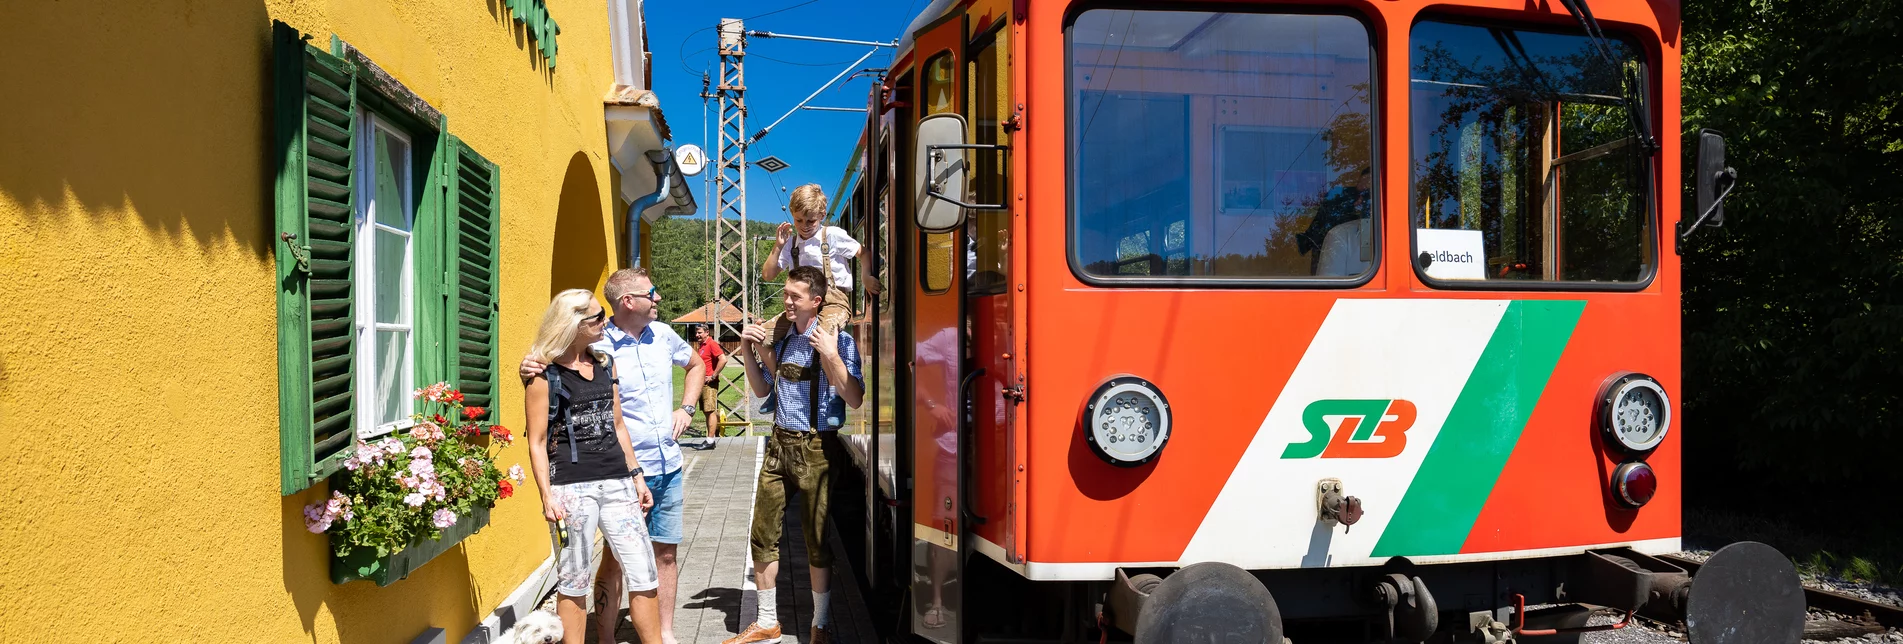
(1524, 165)
(939, 94)
(988, 232)
(1213, 147)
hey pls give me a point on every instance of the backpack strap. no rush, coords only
(558, 409)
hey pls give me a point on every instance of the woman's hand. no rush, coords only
(641, 492)
(552, 511)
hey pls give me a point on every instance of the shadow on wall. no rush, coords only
(506, 19)
(171, 119)
(579, 257)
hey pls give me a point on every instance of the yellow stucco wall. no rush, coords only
(138, 371)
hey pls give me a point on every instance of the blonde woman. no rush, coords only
(585, 467)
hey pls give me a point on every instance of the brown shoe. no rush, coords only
(756, 635)
(821, 635)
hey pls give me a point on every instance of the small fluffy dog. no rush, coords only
(538, 627)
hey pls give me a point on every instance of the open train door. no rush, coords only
(939, 347)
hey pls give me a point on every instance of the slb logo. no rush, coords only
(1368, 429)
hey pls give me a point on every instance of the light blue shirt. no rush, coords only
(645, 365)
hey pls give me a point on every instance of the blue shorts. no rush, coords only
(664, 521)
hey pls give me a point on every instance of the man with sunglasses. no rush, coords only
(811, 365)
(646, 351)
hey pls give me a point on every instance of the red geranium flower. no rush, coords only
(474, 412)
(502, 434)
(455, 396)
(439, 419)
(504, 489)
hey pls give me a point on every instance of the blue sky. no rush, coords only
(779, 73)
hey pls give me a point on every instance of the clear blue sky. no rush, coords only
(780, 72)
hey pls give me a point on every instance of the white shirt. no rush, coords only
(842, 245)
(645, 366)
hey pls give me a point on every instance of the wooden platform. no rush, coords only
(716, 597)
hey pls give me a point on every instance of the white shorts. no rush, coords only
(611, 506)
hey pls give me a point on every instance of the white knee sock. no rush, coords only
(769, 609)
(822, 609)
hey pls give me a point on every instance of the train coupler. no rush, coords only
(1412, 613)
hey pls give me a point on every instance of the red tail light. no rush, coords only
(1634, 483)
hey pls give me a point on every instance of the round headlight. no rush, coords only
(1634, 413)
(1127, 421)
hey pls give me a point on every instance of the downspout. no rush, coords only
(663, 184)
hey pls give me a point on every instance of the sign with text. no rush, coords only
(1451, 254)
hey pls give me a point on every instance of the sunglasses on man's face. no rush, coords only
(653, 294)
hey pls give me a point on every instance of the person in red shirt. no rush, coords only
(715, 359)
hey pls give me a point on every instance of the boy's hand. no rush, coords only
(783, 234)
(872, 286)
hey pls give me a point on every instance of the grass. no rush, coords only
(1859, 545)
(730, 399)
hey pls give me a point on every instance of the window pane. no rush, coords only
(987, 260)
(937, 257)
(1523, 156)
(392, 155)
(1221, 145)
(391, 251)
(938, 84)
(392, 378)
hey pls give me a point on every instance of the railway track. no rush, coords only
(1865, 616)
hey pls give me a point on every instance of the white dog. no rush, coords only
(538, 627)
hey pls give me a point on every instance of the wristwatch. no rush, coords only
(690, 409)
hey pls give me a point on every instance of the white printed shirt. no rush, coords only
(842, 245)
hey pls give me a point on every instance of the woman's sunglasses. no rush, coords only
(597, 317)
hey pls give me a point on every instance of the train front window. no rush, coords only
(1221, 146)
(1526, 164)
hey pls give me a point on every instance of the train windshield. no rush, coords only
(1221, 146)
(1526, 163)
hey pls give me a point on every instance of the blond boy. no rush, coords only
(808, 242)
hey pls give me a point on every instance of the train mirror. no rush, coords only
(1713, 181)
(1713, 177)
(939, 171)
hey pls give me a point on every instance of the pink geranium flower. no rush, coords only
(443, 518)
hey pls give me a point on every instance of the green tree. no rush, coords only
(1793, 326)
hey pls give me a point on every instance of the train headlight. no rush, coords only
(1127, 421)
(1634, 413)
(1634, 483)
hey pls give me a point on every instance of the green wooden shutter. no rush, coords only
(316, 100)
(474, 223)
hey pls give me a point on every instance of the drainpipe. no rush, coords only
(663, 184)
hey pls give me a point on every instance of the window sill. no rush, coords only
(364, 564)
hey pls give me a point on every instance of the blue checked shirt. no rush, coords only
(794, 411)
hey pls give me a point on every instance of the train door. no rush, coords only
(939, 342)
(989, 300)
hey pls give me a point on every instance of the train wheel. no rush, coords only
(1747, 593)
(1209, 602)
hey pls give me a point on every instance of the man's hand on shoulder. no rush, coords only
(530, 368)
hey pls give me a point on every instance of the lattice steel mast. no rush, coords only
(733, 257)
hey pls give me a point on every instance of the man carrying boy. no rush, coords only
(813, 365)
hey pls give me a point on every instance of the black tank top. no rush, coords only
(589, 421)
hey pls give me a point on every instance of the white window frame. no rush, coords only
(364, 232)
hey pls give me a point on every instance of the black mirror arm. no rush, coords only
(1730, 177)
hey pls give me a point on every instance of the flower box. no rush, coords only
(363, 563)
